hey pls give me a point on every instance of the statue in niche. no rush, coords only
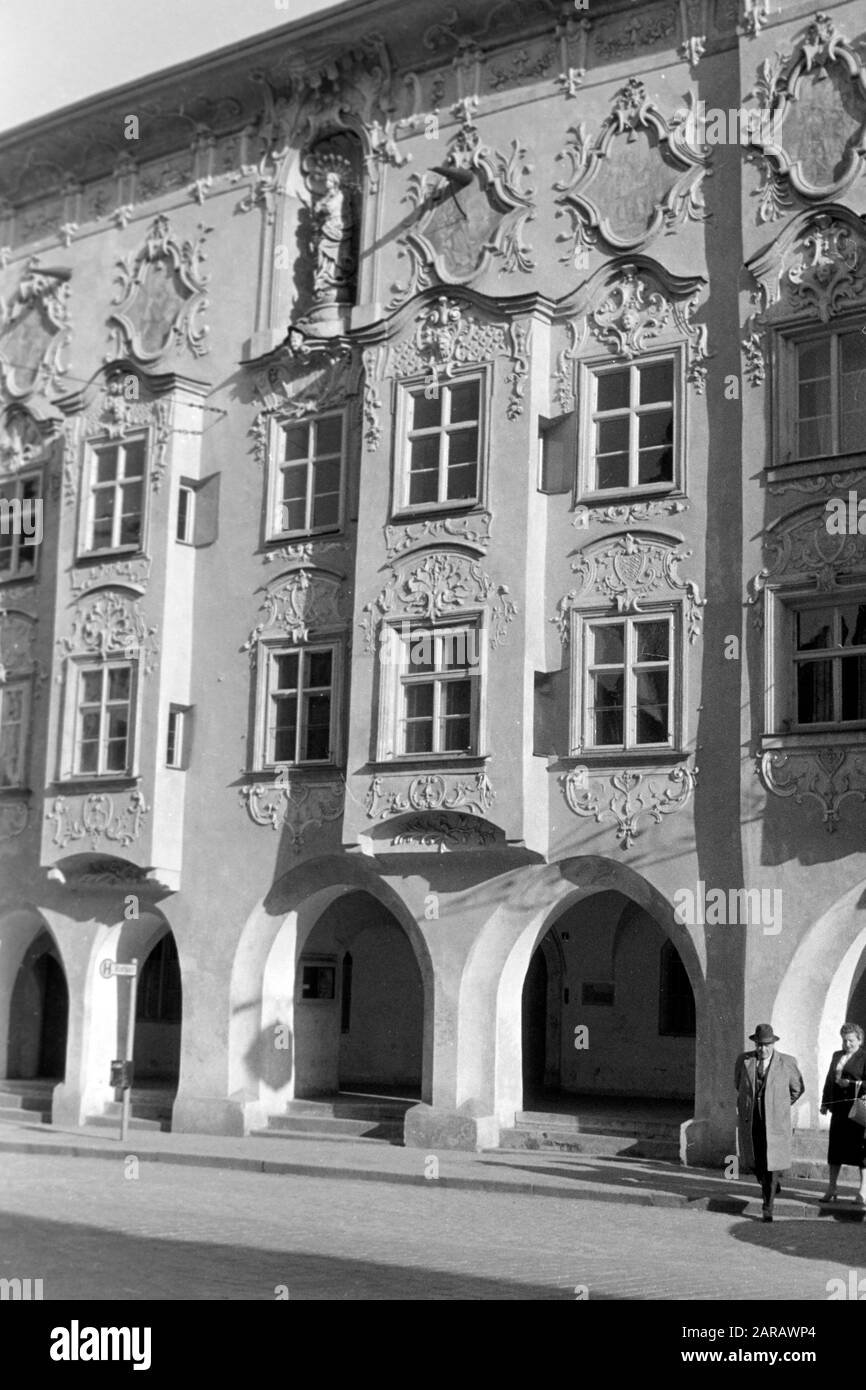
(333, 233)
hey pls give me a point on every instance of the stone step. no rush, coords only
(112, 1121)
(554, 1123)
(15, 1115)
(341, 1107)
(23, 1100)
(594, 1145)
(325, 1126)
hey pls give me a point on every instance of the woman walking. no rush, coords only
(846, 1079)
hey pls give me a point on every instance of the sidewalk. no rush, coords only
(636, 1182)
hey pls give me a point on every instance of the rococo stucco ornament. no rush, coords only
(96, 817)
(640, 176)
(799, 549)
(294, 806)
(429, 792)
(17, 644)
(300, 603)
(442, 585)
(628, 513)
(14, 818)
(472, 531)
(121, 408)
(627, 572)
(161, 297)
(827, 775)
(627, 797)
(473, 209)
(445, 831)
(111, 625)
(816, 101)
(35, 328)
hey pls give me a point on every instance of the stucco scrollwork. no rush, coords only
(134, 573)
(640, 176)
(626, 797)
(629, 571)
(111, 626)
(295, 806)
(96, 817)
(445, 832)
(637, 310)
(799, 549)
(811, 143)
(826, 775)
(817, 267)
(161, 297)
(472, 530)
(302, 602)
(628, 513)
(35, 329)
(429, 792)
(306, 376)
(118, 410)
(441, 585)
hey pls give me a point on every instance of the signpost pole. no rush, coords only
(127, 1060)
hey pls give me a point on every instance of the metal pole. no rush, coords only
(130, 1042)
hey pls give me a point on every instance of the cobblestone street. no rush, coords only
(90, 1232)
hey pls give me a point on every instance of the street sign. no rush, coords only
(107, 968)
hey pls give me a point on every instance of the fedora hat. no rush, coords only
(763, 1034)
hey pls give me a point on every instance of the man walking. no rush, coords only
(768, 1083)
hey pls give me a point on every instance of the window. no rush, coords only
(438, 697)
(301, 706)
(20, 526)
(318, 982)
(115, 512)
(676, 996)
(185, 528)
(830, 663)
(830, 402)
(628, 682)
(443, 446)
(631, 426)
(177, 736)
(103, 735)
(309, 477)
(14, 713)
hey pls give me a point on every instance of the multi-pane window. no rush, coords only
(830, 663)
(300, 717)
(103, 741)
(14, 708)
(632, 426)
(309, 481)
(831, 394)
(439, 677)
(185, 524)
(444, 443)
(19, 526)
(628, 682)
(116, 503)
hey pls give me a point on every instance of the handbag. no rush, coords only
(857, 1113)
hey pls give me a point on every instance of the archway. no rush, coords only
(158, 1017)
(608, 1010)
(38, 1014)
(359, 1003)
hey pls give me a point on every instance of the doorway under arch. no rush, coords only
(159, 1017)
(608, 1010)
(359, 1003)
(38, 1015)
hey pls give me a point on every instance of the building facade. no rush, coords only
(432, 640)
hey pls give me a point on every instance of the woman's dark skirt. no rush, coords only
(847, 1140)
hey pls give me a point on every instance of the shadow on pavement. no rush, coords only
(86, 1262)
(838, 1241)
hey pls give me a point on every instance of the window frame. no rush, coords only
(780, 691)
(401, 507)
(77, 665)
(787, 337)
(581, 730)
(16, 574)
(589, 370)
(93, 446)
(393, 646)
(268, 650)
(278, 425)
(25, 683)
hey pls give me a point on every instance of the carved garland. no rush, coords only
(588, 193)
(161, 297)
(441, 585)
(35, 328)
(627, 572)
(799, 92)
